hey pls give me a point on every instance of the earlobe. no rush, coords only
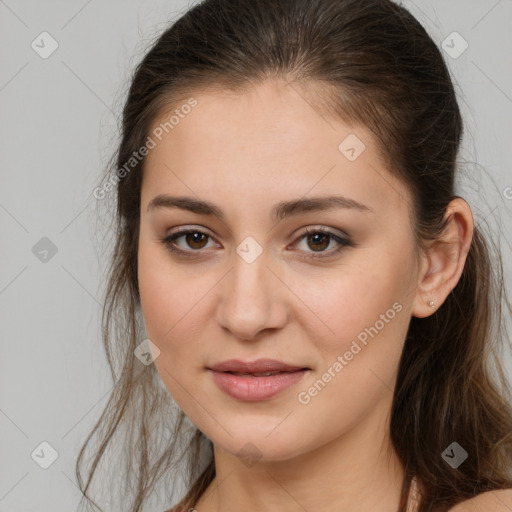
(444, 260)
(430, 292)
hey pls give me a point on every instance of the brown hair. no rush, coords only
(371, 63)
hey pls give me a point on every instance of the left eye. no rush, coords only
(318, 239)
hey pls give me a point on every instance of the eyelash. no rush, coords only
(343, 241)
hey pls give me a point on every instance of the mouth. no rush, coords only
(256, 381)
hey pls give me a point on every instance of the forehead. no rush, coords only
(273, 115)
(268, 141)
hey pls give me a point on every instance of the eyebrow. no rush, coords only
(279, 211)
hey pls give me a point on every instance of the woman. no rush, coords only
(314, 296)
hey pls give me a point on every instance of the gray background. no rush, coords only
(59, 128)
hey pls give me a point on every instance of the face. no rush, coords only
(248, 282)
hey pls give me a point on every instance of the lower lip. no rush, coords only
(250, 388)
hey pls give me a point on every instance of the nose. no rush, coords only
(252, 299)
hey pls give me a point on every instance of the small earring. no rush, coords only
(432, 304)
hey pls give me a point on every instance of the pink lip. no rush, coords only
(251, 388)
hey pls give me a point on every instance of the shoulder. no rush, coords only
(495, 501)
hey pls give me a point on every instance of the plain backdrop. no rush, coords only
(58, 127)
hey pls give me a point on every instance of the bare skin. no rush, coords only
(246, 153)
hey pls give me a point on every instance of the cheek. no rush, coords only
(167, 304)
(346, 302)
(168, 295)
(359, 341)
(360, 312)
(174, 304)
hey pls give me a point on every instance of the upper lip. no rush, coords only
(257, 366)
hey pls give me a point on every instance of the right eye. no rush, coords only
(194, 238)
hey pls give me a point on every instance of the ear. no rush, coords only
(444, 260)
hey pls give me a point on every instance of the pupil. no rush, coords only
(322, 236)
(195, 238)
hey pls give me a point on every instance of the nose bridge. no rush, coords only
(250, 299)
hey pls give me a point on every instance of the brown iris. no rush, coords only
(317, 237)
(195, 237)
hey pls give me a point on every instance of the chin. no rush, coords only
(257, 445)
